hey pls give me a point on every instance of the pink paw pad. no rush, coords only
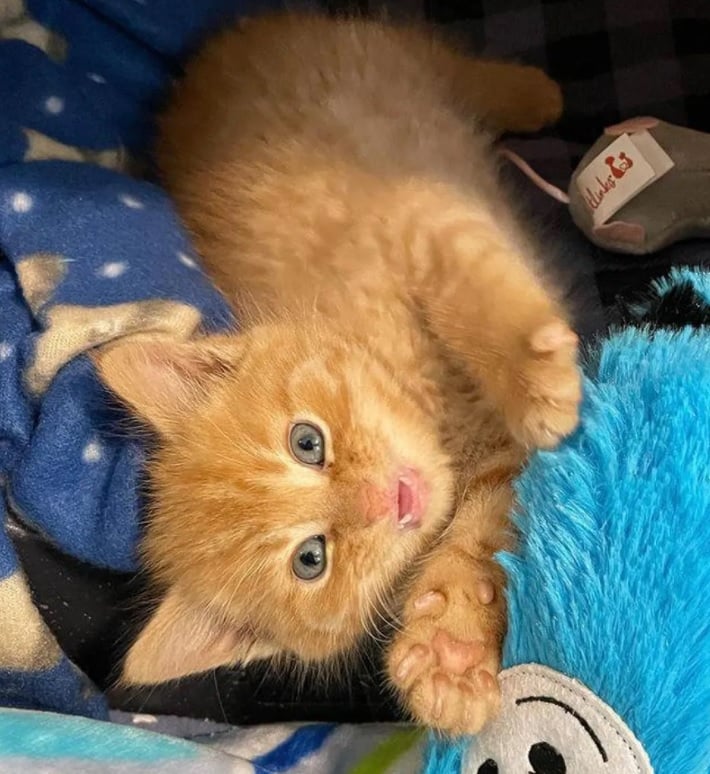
(485, 592)
(486, 681)
(440, 685)
(454, 656)
(432, 603)
(414, 660)
(552, 337)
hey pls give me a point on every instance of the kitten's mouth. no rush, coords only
(412, 498)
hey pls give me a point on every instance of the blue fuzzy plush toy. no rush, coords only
(608, 651)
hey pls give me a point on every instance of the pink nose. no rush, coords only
(405, 500)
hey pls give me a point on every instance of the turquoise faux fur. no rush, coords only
(611, 585)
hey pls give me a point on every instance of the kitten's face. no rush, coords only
(289, 493)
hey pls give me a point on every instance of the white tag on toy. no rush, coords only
(653, 153)
(621, 171)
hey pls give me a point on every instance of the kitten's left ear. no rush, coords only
(161, 378)
(183, 639)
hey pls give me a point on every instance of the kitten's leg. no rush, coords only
(445, 660)
(506, 97)
(488, 306)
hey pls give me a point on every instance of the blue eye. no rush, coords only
(307, 444)
(309, 560)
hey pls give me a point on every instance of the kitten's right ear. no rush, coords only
(160, 378)
(181, 639)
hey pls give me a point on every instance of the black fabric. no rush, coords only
(678, 307)
(614, 58)
(95, 615)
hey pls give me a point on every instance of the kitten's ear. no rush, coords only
(160, 378)
(182, 639)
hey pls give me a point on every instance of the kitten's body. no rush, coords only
(335, 177)
(321, 186)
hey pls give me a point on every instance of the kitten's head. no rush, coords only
(294, 480)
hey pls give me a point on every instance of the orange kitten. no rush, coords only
(337, 175)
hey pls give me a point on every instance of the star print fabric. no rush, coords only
(87, 255)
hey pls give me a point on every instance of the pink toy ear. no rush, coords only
(620, 231)
(639, 124)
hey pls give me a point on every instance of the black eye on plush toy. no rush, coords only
(546, 760)
(543, 757)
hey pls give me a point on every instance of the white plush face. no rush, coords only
(551, 724)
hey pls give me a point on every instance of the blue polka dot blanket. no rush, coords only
(87, 254)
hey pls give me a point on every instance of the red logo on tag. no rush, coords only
(619, 172)
(625, 163)
(618, 167)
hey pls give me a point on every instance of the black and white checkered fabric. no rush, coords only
(615, 59)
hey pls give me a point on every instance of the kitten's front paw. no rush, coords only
(445, 661)
(545, 387)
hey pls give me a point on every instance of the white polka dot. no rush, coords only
(5, 350)
(113, 269)
(96, 77)
(22, 202)
(54, 105)
(185, 259)
(92, 452)
(131, 202)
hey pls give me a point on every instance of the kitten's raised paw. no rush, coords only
(545, 388)
(444, 663)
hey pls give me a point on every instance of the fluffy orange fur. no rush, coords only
(340, 184)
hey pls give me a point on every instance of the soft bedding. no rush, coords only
(87, 254)
(66, 744)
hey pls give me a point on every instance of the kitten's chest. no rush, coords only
(470, 426)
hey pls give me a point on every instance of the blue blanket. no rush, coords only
(87, 254)
(135, 744)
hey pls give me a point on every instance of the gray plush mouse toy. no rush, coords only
(644, 184)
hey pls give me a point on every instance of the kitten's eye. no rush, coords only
(309, 559)
(307, 444)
